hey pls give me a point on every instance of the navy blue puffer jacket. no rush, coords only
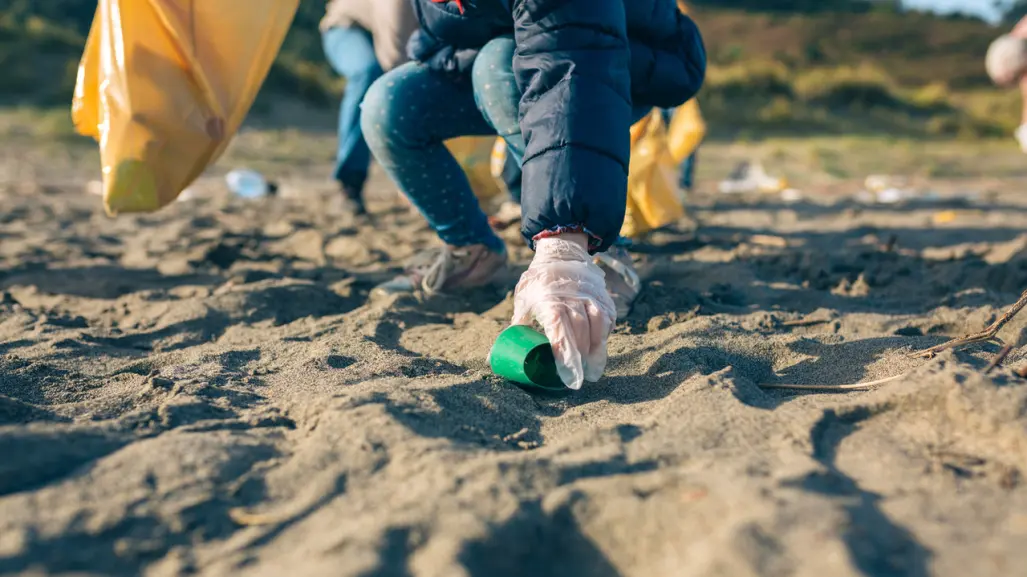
(581, 66)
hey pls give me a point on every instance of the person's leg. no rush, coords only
(688, 171)
(350, 51)
(498, 98)
(407, 116)
(496, 93)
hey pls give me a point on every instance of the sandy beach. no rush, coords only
(209, 390)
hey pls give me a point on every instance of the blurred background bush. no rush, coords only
(776, 66)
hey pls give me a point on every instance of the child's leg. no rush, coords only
(350, 51)
(497, 96)
(688, 171)
(407, 115)
(496, 93)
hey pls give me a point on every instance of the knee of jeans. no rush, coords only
(379, 115)
(495, 88)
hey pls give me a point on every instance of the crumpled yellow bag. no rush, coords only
(686, 131)
(163, 85)
(474, 154)
(652, 198)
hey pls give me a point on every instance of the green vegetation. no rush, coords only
(794, 67)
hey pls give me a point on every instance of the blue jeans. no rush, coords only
(688, 171)
(407, 116)
(350, 51)
(410, 111)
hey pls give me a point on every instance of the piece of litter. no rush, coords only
(891, 196)
(945, 217)
(751, 177)
(879, 182)
(791, 195)
(249, 184)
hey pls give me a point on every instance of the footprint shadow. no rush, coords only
(878, 546)
(675, 367)
(475, 415)
(534, 542)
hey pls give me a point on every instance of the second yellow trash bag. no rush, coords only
(652, 199)
(163, 85)
(686, 131)
(473, 153)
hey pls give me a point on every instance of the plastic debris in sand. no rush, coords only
(790, 195)
(882, 189)
(250, 184)
(749, 177)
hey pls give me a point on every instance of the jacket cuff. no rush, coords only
(594, 241)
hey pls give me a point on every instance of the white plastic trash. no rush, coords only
(751, 177)
(248, 183)
(791, 195)
(891, 196)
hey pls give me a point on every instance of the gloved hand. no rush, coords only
(565, 292)
(1021, 136)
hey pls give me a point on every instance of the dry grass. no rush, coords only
(913, 49)
(766, 97)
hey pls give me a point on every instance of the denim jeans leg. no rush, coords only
(407, 116)
(688, 171)
(350, 51)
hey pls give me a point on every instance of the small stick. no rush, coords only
(986, 335)
(1001, 356)
(804, 322)
(851, 387)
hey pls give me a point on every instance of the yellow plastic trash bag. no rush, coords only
(687, 130)
(652, 199)
(498, 162)
(163, 85)
(474, 153)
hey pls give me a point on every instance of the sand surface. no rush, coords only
(208, 390)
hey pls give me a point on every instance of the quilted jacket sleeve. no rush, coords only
(572, 65)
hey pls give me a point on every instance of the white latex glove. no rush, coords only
(1021, 136)
(565, 292)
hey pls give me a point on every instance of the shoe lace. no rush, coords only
(435, 273)
(615, 260)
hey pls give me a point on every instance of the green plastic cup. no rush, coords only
(524, 356)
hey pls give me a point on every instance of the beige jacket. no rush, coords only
(390, 22)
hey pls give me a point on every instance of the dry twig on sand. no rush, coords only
(1001, 356)
(984, 336)
(852, 387)
(804, 322)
